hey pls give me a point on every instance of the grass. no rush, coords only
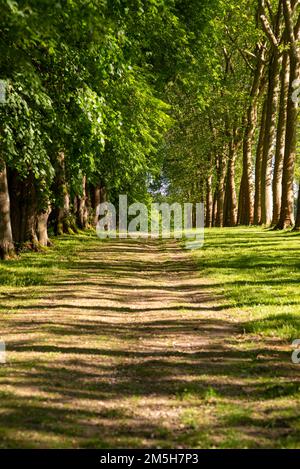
(257, 272)
(130, 344)
(22, 279)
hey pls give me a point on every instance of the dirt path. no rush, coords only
(130, 350)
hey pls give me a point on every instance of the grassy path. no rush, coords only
(123, 344)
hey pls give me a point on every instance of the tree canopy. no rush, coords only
(109, 97)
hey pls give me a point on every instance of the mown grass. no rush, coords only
(82, 372)
(257, 272)
(29, 271)
(26, 276)
(35, 268)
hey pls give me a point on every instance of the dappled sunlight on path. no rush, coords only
(131, 349)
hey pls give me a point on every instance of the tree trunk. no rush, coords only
(280, 143)
(42, 227)
(104, 195)
(209, 202)
(287, 202)
(297, 225)
(15, 193)
(23, 210)
(269, 140)
(88, 205)
(63, 224)
(30, 216)
(82, 208)
(96, 203)
(221, 191)
(246, 214)
(230, 205)
(6, 238)
(241, 205)
(259, 157)
(214, 218)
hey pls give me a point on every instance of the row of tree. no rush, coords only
(237, 129)
(106, 97)
(83, 117)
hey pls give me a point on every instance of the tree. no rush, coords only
(292, 24)
(6, 239)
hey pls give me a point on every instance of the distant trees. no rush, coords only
(251, 74)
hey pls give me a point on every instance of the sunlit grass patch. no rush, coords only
(258, 273)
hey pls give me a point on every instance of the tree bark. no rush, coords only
(214, 218)
(209, 202)
(221, 190)
(287, 203)
(6, 238)
(97, 200)
(269, 140)
(230, 205)
(82, 206)
(63, 224)
(258, 163)
(30, 213)
(23, 194)
(42, 227)
(297, 225)
(246, 207)
(280, 143)
(16, 196)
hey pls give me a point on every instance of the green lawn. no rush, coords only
(257, 272)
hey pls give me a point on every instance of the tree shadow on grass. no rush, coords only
(76, 395)
(87, 375)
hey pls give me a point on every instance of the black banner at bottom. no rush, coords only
(146, 458)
